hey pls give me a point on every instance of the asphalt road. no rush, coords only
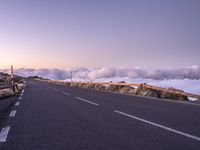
(55, 117)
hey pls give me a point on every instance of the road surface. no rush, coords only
(55, 117)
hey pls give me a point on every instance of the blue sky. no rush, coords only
(91, 33)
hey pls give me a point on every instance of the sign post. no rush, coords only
(12, 76)
(71, 77)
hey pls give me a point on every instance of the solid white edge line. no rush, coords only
(66, 93)
(4, 133)
(87, 101)
(17, 103)
(12, 113)
(160, 126)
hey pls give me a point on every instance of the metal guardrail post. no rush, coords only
(13, 88)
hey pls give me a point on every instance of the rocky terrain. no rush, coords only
(130, 90)
(5, 79)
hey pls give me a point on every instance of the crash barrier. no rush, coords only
(13, 86)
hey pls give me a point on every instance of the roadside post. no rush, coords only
(71, 77)
(12, 79)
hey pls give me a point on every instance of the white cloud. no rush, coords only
(192, 72)
(187, 78)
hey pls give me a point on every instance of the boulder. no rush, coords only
(99, 87)
(128, 90)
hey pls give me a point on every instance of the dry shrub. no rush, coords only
(6, 92)
(142, 91)
(128, 90)
(100, 87)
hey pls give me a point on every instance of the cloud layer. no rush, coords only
(187, 78)
(192, 72)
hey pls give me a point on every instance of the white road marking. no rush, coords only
(4, 133)
(160, 126)
(66, 93)
(87, 101)
(17, 103)
(20, 97)
(55, 90)
(12, 113)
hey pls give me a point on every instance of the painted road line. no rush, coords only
(17, 103)
(55, 90)
(4, 133)
(160, 126)
(20, 97)
(66, 93)
(12, 113)
(87, 101)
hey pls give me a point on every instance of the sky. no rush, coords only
(99, 33)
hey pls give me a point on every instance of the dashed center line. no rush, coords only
(160, 126)
(66, 93)
(12, 113)
(17, 103)
(87, 101)
(4, 133)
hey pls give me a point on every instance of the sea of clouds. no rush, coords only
(187, 78)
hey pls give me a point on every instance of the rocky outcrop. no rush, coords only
(6, 80)
(142, 91)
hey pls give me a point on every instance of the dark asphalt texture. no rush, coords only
(5, 108)
(47, 119)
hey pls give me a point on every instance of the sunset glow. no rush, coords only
(63, 34)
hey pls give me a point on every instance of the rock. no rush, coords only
(159, 94)
(67, 83)
(167, 95)
(75, 84)
(99, 87)
(147, 92)
(90, 86)
(128, 90)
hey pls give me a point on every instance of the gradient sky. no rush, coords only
(94, 33)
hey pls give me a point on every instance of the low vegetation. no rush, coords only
(140, 90)
(5, 79)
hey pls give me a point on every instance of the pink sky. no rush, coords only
(63, 34)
